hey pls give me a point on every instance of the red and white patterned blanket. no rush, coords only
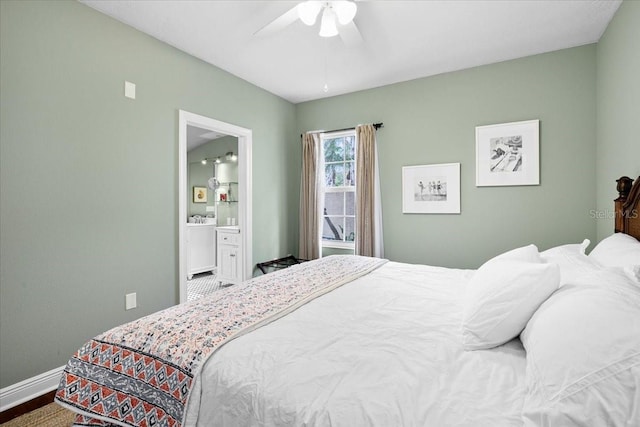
(141, 373)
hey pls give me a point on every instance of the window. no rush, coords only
(339, 219)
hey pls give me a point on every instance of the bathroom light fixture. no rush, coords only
(203, 161)
(343, 10)
(231, 157)
(218, 159)
(213, 182)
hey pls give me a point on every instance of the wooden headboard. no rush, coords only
(627, 207)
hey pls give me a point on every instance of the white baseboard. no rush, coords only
(30, 388)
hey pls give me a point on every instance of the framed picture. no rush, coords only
(199, 194)
(431, 189)
(508, 154)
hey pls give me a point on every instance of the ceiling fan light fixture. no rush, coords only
(328, 24)
(308, 11)
(345, 10)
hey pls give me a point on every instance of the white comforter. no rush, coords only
(383, 350)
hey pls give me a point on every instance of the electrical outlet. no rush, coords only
(130, 301)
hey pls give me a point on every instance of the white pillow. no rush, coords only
(633, 272)
(572, 261)
(574, 248)
(526, 253)
(562, 252)
(503, 294)
(583, 355)
(617, 250)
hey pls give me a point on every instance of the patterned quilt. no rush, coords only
(141, 373)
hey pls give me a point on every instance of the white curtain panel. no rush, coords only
(368, 203)
(311, 195)
(378, 248)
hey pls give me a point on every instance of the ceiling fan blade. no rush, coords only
(350, 34)
(279, 23)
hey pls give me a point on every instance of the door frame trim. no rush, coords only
(245, 209)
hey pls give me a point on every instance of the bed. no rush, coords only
(531, 338)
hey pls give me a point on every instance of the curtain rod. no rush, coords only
(375, 125)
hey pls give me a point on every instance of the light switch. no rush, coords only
(130, 90)
(130, 301)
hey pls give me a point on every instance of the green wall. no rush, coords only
(432, 120)
(618, 99)
(88, 208)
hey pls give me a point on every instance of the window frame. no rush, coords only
(343, 189)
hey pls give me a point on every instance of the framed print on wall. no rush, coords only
(199, 194)
(431, 189)
(508, 154)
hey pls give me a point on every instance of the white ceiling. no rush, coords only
(403, 40)
(197, 136)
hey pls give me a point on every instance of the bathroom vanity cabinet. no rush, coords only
(201, 249)
(229, 255)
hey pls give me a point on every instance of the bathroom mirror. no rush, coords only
(206, 161)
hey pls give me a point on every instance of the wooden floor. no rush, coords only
(38, 412)
(27, 406)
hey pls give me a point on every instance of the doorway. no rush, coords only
(245, 141)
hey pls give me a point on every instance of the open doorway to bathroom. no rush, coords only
(214, 195)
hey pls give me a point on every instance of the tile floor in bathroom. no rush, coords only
(201, 285)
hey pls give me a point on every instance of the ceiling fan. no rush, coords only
(336, 18)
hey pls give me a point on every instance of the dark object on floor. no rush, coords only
(277, 264)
